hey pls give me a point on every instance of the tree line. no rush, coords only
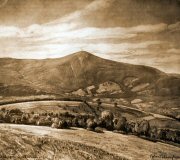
(105, 121)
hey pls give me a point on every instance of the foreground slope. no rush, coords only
(36, 142)
(79, 70)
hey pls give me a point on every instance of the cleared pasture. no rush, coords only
(77, 142)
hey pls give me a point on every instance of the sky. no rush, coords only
(145, 32)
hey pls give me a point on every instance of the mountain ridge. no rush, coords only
(72, 72)
(84, 54)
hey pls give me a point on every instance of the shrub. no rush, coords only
(12, 120)
(15, 111)
(138, 127)
(69, 122)
(115, 104)
(24, 118)
(109, 125)
(44, 122)
(18, 120)
(6, 117)
(32, 121)
(143, 128)
(48, 118)
(51, 114)
(153, 132)
(55, 125)
(161, 133)
(55, 120)
(99, 130)
(107, 120)
(3, 109)
(56, 115)
(99, 102)
(75, 122)
(66, 114)
(177, 139)
(91, 123)
(107, 115)
(101, 123)
(82, 123)
(32, 112)
(62, 124)
(36, 116)
(130, 127)
(90, 129)
(1, 115)
(120, 124)
(171, 135)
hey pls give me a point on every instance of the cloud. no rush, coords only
(138, 44)
(70, 31)
(92, 7)
(174, 27)
(9, 31)
(110, 13)
(52, 50)
(98, 33)
(168, 63)
(3, 3)
(75, 26)
(173, 51)
(149, 28)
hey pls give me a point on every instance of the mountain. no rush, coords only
(79, 71)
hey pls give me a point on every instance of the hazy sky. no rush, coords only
(134, 31)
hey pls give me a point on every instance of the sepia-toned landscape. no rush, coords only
(89, 79)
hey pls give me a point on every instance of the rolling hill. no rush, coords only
(79, 71)
(35, 142)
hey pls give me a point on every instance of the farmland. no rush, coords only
(77, 143)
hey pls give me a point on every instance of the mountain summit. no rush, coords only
(76, 71)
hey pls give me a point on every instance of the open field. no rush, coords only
(159, 106)
(57, 106)
(77, 143)
(42, 106)
(79, 108)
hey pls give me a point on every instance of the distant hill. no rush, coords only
(79, 71)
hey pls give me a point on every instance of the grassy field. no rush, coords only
(43, 106)
(164, 106)
(37, 141)
(77, 108)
